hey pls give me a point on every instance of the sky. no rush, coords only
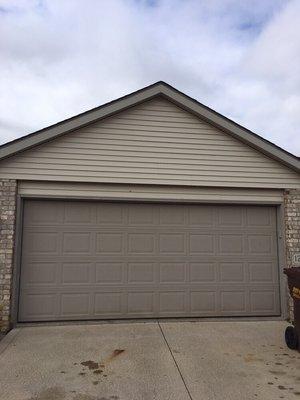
(240, 57)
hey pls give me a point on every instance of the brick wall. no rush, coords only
(292, 230)
(8, 191)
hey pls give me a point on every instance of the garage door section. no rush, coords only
(97, 260)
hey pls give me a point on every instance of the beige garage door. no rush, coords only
(93, 260)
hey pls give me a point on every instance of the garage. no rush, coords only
(91, 260)
(149, 206)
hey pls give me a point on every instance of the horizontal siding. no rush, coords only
(146, 192)
(153, 143)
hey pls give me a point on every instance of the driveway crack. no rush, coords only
(175, 362)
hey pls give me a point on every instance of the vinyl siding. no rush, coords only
(147, 192)
(155, 142)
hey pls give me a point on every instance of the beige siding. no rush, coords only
(152, 143)
(147, 192)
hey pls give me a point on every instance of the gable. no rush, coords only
(154, 142)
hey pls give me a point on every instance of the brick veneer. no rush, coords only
(8, 191)
(292, 230)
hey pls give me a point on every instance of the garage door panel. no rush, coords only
(109, 304)
(261, 217)
(141, 273)
(141, 303)
(172, 215)
(233, 301)
(38, 243)
(109, 273)
(232, 244)
(39, 306)
(173, 272)
(126, 260)
(112, 243)
(172, 243)
(40, 273)
(141, 243)
(110, 214)
(203, 302)
(262, 272)
(76, 242)
(202, 272)
(230, 216)
(76, 273)
(201, 217)
(50, 214)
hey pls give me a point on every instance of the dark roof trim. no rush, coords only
(130, 100)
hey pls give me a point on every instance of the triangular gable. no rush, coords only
(133, 99)
(153, 142)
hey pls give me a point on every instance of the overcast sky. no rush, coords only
(61, 57)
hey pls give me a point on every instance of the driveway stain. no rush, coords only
(58, 393)
(277, 372)
(90, 364)
(252, 358)
(97, 371)
(96, 367)
(281, 387)
(53, 393)
(80, 396)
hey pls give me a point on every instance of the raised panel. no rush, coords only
(75, 304)
(261, 271)
(201, 244)
(43, 243)
(108, 303)
(77, 213)
(141, 272)
(233, 301)
(258, 216)
(230, 216)
(76, 242)
(171, 215)
(108, 272)
(141, 243)
(202, 272)
(262, 301)
(201, 216)
(203, 302)
(141, 215)
(110, 214)
(172, 302)
(231, 244)
(171, 243)
(39, 273)
(38, 306)
(172, 272)
(42, 213)
(109, 243)
(232, 272)
(141, 303)
(75, 272)
(260, 244)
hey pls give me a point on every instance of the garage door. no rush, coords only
(98, 260)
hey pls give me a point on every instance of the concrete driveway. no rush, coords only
(141, 361)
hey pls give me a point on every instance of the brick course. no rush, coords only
(292, 231)
(8, 192)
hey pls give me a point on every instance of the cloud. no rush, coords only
(240, 58)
